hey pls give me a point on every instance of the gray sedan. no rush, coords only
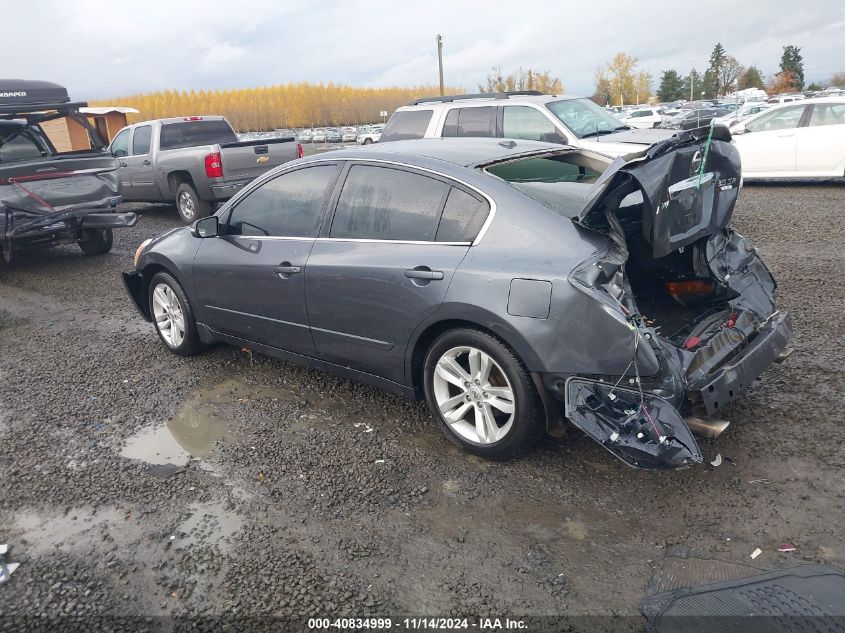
(512, 284)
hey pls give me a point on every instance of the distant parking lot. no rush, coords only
(297, 492)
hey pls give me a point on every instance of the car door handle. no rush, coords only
(122, 164)
(424, 273)
(286, 269)
(785, 135)
(146, 162)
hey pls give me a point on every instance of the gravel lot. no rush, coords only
(307, 495)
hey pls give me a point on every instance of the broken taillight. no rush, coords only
(681, 290)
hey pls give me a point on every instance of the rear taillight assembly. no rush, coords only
(682, 290)
(214, 165)
(299, 150)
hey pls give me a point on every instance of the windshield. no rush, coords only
(584, 118)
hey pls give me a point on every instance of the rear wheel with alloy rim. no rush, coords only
(172, 316)
(189, 205)
(481, 394)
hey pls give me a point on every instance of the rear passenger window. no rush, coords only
(286, 206)
(463, 217)
(475, 122)
(407, 124)
(828, 114)
(387, 204)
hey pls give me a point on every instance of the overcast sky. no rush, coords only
(107, 49)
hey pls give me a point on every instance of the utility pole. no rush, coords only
(440, 61)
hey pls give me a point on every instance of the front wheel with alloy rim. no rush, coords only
(189, 205)
(172, 316)
(481, 394)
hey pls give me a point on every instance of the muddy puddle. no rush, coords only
(209, 524)
(201, 425)
(76, 528)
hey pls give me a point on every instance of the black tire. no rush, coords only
(96, 241)
(367, 141)
(191, 343)
(528, 417)
(188, 204)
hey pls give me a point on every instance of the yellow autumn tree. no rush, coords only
(282, 106)
(620, 83)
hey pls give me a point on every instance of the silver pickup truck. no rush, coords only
(194, 161)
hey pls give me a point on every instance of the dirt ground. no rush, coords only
(300, 494)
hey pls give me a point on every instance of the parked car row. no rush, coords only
(348, 134)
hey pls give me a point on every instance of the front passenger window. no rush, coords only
(120, 144)
(289, 205)
(527, 123)
(778, 119)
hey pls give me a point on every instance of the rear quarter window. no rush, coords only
(463, 216)
(406, 124)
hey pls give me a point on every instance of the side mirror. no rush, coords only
(206, 227)
(739, 128)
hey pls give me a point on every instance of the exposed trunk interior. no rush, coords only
(697, 294)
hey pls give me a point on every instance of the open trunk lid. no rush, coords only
(681, 200)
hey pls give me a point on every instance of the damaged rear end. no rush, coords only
(688, 287)
(53, 201)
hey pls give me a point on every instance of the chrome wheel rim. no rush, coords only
(186, 204)
(169, 319)
(474, 395)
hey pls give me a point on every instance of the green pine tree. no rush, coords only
(792, 61)
(671, 86)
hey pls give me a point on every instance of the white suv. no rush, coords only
(574, 121)
(643, 118)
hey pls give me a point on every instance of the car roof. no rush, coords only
(183, 119)
(508, 100)
(465, 152)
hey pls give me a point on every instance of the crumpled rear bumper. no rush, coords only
(723, 385)
(647, 431)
